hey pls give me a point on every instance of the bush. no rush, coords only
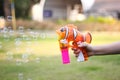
(100, 19)
(29, 24)
(82, 26)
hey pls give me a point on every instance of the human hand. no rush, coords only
(85, 45)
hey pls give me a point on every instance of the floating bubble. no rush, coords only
(42, 35)
(9, 27)
(9, 18)
(29, 31)
(35, 35)
(25, 57)
(9, 56)
(26, 37)
(6, 37)
(29, 79)
(11, 32)
(18, 41)
(18, 62)
(1, 31)
(5, 30)
(37, 60)
(21, 30)
(20, 76)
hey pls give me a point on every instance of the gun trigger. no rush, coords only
(79, 42)
(80, 57)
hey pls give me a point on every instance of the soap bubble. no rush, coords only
(6, 37)
(35, 35)
(18, 62)
(9, 18)
(18, 41)
(21, 30)
(11, 32)
(20, 76)
(26, 37)
(25, 57)
(29, 79)
(37, 60)
(9, 28)
(9, 56)
(5, 30)
(29, 31)
(42, 35)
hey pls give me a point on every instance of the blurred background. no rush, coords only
(98, 14)
(29, 49)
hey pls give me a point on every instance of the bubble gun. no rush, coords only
(68, 34)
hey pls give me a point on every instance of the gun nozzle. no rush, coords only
(57, 31)
(59, 35)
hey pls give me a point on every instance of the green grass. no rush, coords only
(50, 66)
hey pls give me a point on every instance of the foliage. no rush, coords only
(23, 8)
(94, 24)
(82, 26)
(101, 19)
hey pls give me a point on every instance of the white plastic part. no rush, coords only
(80, 57)
(64, 41)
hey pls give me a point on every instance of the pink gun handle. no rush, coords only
(65, 56)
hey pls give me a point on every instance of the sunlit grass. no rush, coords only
(50, 67)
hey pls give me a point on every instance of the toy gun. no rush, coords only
(67, 34)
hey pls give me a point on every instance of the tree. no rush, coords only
(23, 7)
(7, 9)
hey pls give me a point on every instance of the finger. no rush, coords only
(77, 51)
(76, 55)
(90, 54)
(83, 44)
(74, 49)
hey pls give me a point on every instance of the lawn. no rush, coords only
(24, 58)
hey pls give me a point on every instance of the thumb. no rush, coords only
(82, 44)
